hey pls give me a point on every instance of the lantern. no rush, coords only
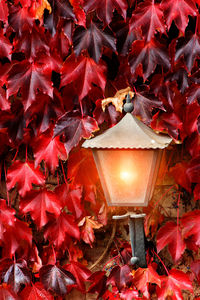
(127, 158)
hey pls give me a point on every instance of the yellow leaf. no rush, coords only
(118, 99)
(40, 10)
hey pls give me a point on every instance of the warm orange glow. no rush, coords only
(128, 176)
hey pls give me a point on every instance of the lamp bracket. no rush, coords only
(137, 237)
(130, 215)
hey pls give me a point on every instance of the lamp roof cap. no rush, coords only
(129, 133)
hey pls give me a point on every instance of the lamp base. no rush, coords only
(137, 237)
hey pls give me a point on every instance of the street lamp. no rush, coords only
(127, 158)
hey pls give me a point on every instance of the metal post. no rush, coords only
(136, 231)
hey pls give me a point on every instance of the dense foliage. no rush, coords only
(58, 60)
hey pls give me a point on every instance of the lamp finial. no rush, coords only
(128, 106)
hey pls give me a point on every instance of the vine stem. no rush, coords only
(107, 247)
(164, 195)
(15, 155)
(63, 172)
(161, 262)
(8, 200)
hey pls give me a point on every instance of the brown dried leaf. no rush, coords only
(40, 10)
(118, 99)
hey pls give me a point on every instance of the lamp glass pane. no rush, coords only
(127, 175)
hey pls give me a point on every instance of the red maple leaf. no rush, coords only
(149, 17)
(193, 171)
(30, 77)
(39, 203)
(93, 39)
(178, 11)
(7, 293)
(110, 115)
(74, 126)
(83, 72)
(129, 294)
(82, 169)
(4, 104)
(88, 224)
(20, 18)
(190, 223)
(15, 274)
(98, 285)
(190, 50)
(79, 12)
(35, 292)
(49, 149)
(120, 277)
(71, 196)
(56, 279)
(60, 229)
(180, 175)
(4, 11)
(7, 217)
(193, 93)
(148, 55)
(109, 5)
(173, 284)
(80, 272)
(31, 42)
(24, 174)
(17, 237)
(5, 45)
(170, 234)
(144, 276)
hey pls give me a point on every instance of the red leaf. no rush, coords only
(193, 171)
(190, 223)
(173, 284)
(148, 16)
(60, 8)
(3, 11)
(4, 104)
(142, 278)
(120, 276)
(110, 115)
(129, 294)
(87, 225)
(98, 283)
(71, 197)
(30, 77)
(20, 18)
(49, 149)
(149, 55)
(35, 292)
(56, 279)
(178, 11)
(15, 274)
(6, 293)
(5, 45)
(195, 267)
(31, 42)
(83, 72)
(93, 39)
(62, 228)
(179, 172)
(190, 50)
(24, 174)
(79, 12)
(7, 217)
(74, 128)
(169, 122)
(81, 168)
(39, 203)
(193, 93)
(143, 106)
(170, 234)
(109, 5)
(80, 272)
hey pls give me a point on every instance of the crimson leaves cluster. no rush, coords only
(58, 60)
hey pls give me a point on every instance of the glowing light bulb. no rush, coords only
(127, 176)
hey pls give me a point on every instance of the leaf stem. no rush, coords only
(15, 155)
(161, 262)
(63, 172)
(8, 200)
